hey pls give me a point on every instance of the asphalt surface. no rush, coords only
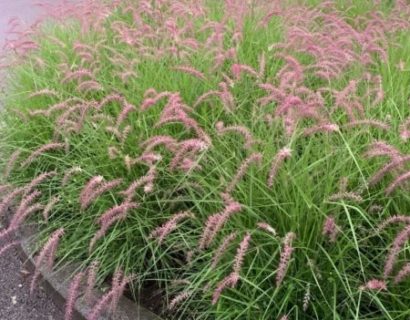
(16, 303)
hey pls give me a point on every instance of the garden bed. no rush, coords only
(238, 159)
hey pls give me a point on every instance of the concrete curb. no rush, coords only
(56, 284)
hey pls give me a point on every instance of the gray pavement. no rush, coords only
(16, 303)
(15, 300)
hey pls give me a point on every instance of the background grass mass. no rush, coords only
(262, 150)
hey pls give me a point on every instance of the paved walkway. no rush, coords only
(15, 300)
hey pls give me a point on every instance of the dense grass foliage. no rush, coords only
(247, 159)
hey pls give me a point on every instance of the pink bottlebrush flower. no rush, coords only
(282, 155)
(37, 180)
(211, 222)
(115, 283)
(126, 75)
(90, 194)
(110, 98)
(240, 254)
(80, 47)
(177, 112)
(73, 294)
(350, 196)
(168, 142)
(294, 65)
(109, 120)
(237, 69)
(149, 158)
(228, 100)
(89, 85)
(21, 115)
(401, 65)
(111, 298)
(7, 232)
(374, 284)
(306, 298)
(389, 167)
(4, 188)
(109, 217)
(49, 206)
(189, 146)
(11, 163)
(41, 150)
(393, 220)
(61, 106)
(129, 162)
(100, 306)
(69, 173)
(381, 148)
(47, 252)
(44, 92)
(221, 129)
(23, 209)
(327, 128)
(40, 63)
(180, 282)
(9, 198)
(227, 198)
(77, 75)
(115, 131)
(8, 246)
(147, 181)
(183, 296)
(330, 228)
(267, 227)
(394, 251)
(150, 93)
(253, 158)
(405, 129)
(343, 99)
(91, 281)
(113, 152)
(205, 96)
(289, 103)
(149, 102)
(402, 274)
(89, 187)
(222, 248)
(230, 281)
(377, 93)
(86, 57)
(190, 70)
(118, 290)
(126, 110)
(31, 209)
(397, 182)
(285, 256)
(96, 192)
(189, 256)
(71, 117)
(368, 122)
(375, 208)
(125, 133)
(215, 222)
(160, 233)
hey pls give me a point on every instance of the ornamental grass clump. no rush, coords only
(223, 159)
